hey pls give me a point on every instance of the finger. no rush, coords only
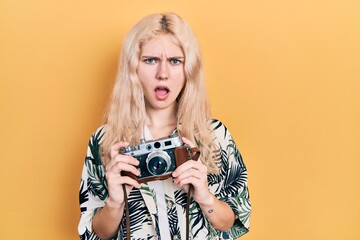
(189, 173)
(189, 165)
(120, 158)
(123, 163)
(119, 180)
(120, 167)
(188, 142)
(130, 181)
(115, 149)
(183, 167)
(189, 180)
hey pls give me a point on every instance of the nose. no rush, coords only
(162, 73)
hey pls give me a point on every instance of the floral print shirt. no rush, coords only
(229, 185)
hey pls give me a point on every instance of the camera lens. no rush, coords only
(158, 162)
(157, 166)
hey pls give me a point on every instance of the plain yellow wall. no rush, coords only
(283, 75)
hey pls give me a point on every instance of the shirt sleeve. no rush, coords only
(231, 185)
(93, 187)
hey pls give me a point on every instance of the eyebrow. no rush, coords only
(177, 57)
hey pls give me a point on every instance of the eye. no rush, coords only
(175, 61)
(150, 60)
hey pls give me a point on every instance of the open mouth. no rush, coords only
(162, 93)
(162, 90)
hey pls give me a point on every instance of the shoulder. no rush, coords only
(98, 134)
(93, 156)
(219, 129)
(100, 130)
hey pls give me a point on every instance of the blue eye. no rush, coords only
(175, 61)
(150, 60)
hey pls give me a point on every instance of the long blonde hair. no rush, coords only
(125, 117)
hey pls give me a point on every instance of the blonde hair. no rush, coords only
(125, 117)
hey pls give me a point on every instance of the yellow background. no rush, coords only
(282, 75)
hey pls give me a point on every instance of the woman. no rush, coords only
(160, 90)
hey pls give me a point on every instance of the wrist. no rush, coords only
(113, 205)
(207, 207)
(208, 202)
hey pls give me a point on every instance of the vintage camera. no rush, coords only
(159, 158)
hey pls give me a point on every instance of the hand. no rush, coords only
(193, 173)
(120, 162)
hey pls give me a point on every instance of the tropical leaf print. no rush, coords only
(197, 220)
(234, 181)
(173, 217)
(216, 179)
(235, 152)
(237, 230)
(234, 171)
(148, 191)
(136, 208)
(173, 222)
(96, 181)
(217, 124)
(87, 235)
(243, 206)
(94, 147)
(180, 199)
(83, 196)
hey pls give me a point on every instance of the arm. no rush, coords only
(232, 187)
(219, 213)
(229, 187)
(96, 189)
(106, 221)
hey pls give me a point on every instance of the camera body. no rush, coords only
(159, 158)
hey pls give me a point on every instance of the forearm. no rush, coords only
(106, 221)
(219, 213)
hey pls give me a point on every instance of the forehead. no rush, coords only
(162, 44)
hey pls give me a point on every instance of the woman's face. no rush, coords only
(161, 72)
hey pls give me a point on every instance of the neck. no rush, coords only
(161, 122)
